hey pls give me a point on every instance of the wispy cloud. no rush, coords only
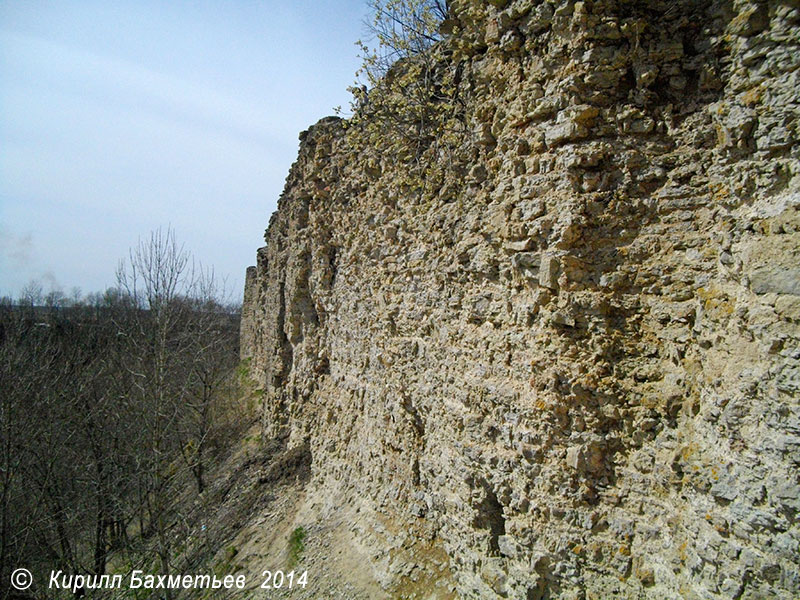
(118, 117)
(120, 80)
(17, 250)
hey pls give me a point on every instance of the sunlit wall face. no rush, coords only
(117, 118)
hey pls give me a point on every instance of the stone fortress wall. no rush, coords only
(571, 361)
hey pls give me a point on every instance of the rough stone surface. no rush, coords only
(577, 370)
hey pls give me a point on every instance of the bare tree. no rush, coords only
(32, 294)
(157, 276)
(211, 337)
(44, 366)
(106, 407)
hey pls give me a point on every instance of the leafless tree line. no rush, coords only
(108, 409)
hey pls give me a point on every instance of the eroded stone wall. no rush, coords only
(573, 353)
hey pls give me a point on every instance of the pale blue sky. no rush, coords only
(117, 117)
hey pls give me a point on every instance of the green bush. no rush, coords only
(296, 545)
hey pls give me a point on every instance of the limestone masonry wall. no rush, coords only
(570, 359)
